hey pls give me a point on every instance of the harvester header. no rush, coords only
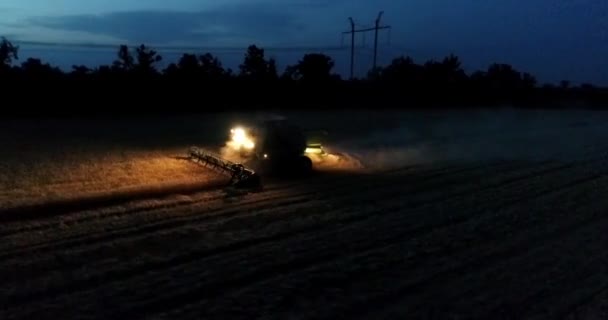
(240, 176)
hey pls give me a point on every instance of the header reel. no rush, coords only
(240, 176)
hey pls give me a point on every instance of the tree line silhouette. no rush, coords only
(310, 83)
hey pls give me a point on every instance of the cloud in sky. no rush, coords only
(552, 38)
(235, 22)
(162, 27)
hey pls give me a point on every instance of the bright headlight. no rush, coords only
(240, 139)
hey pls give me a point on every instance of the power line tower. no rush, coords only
(352, 47)
(377, 27)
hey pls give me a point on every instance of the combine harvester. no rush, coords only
(274, 148)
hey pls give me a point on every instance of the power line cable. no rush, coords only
(65, 45)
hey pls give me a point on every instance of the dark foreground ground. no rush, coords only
(506, 239)
(473, 215)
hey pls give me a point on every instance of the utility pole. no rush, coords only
(377, 27)
(352, 47)
(352, 32)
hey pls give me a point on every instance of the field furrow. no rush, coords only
(49, 264)
(254, 233)
(439, 250)
(566, 179)
(207, 200)
(209, 213)
(216, 200)
(450, 219)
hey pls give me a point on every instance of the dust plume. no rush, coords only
(479, 136)
(229, 153)
(336, 161)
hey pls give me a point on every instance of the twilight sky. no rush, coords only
(553, 39)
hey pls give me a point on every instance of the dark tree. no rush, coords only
(211, 67)
(256, 67)
(189, 63)
(529, 81)
(478, 76)
(314, 67)
(451, 67)
(125, 61)
(34, 69)
(8, 53)
(81, 70)
(146, 59)
(503, 76)
(33, 64)
(80, 73)
(103, 71)
(375, 74)
(192, 67)
(445, 73)
(187, 67)
(402, 70)
(436, 82)
(272, 72)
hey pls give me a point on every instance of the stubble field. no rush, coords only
(474, 215)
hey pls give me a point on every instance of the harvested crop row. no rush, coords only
(467, 204)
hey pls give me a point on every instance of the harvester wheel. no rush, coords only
(306, 164)
(254, 181)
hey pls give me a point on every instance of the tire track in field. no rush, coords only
(507, 283)
(58, 207)
(172, 264)
(117, 275)
(218, 204)
(431, 234)
(276, 192)
(54, 223)
(418, 292)
(448, 251)
(545, 266)
(564, 283)
(290, 203)
(326, 175)
(410, 194)
(220, 212)
(588, 280)
(572, 308)
(419, 190)
(49, 264)
(288, 267)
(509, 261)
(244, 243)
(596, 306)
